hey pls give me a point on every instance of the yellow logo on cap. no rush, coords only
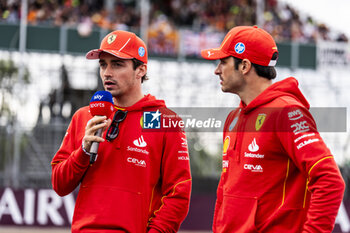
(111, 38)
(260, 121)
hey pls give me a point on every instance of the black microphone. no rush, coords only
(101, 104)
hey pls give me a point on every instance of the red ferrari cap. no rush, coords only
(252, 43)
(122, 44)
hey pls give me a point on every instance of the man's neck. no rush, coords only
(127, 101)
(253, 90)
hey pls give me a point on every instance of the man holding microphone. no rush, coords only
(138, 182)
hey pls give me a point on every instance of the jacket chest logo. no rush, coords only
(226, 145)
(140, 142)
(260, 121)
(253, 147)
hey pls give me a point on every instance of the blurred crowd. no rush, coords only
(84, 14)
(168, 16)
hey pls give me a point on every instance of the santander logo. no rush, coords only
(253, 147)
(140, 142)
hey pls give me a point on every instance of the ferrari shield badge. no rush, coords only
(260, 121)
(111, 38)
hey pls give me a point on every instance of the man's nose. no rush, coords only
(217, 70)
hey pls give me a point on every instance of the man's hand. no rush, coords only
(96, 123)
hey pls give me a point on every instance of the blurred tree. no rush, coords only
(11, 86)
(203, 164)
(8, 80)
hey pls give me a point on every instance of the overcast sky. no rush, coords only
(334, 13)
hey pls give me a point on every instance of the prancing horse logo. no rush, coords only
(260, 121)
(111, 38)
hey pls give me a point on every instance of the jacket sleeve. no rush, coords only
(70, 162)
(309, 153)
(175, 184)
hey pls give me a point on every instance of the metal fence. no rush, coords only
(31, 168)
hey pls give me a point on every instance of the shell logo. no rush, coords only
(226, 145)
(141, 121)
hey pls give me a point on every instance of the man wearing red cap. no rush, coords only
(140, 181)
(278, 175)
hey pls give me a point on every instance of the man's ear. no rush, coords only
(141, 71)
(246, 66)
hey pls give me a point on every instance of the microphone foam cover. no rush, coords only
(101, 104)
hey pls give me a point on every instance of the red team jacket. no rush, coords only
(278, 175)
(140, 181)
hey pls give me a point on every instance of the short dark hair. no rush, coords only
(136, 63)
(268, 72)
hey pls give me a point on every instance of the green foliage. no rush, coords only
(9, 77)
(202, 163)
(9, 74)
(7, 69)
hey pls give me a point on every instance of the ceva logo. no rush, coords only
(137, 162)
(253, 168)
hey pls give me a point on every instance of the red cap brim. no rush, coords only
(95, 54)
(213, 54)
